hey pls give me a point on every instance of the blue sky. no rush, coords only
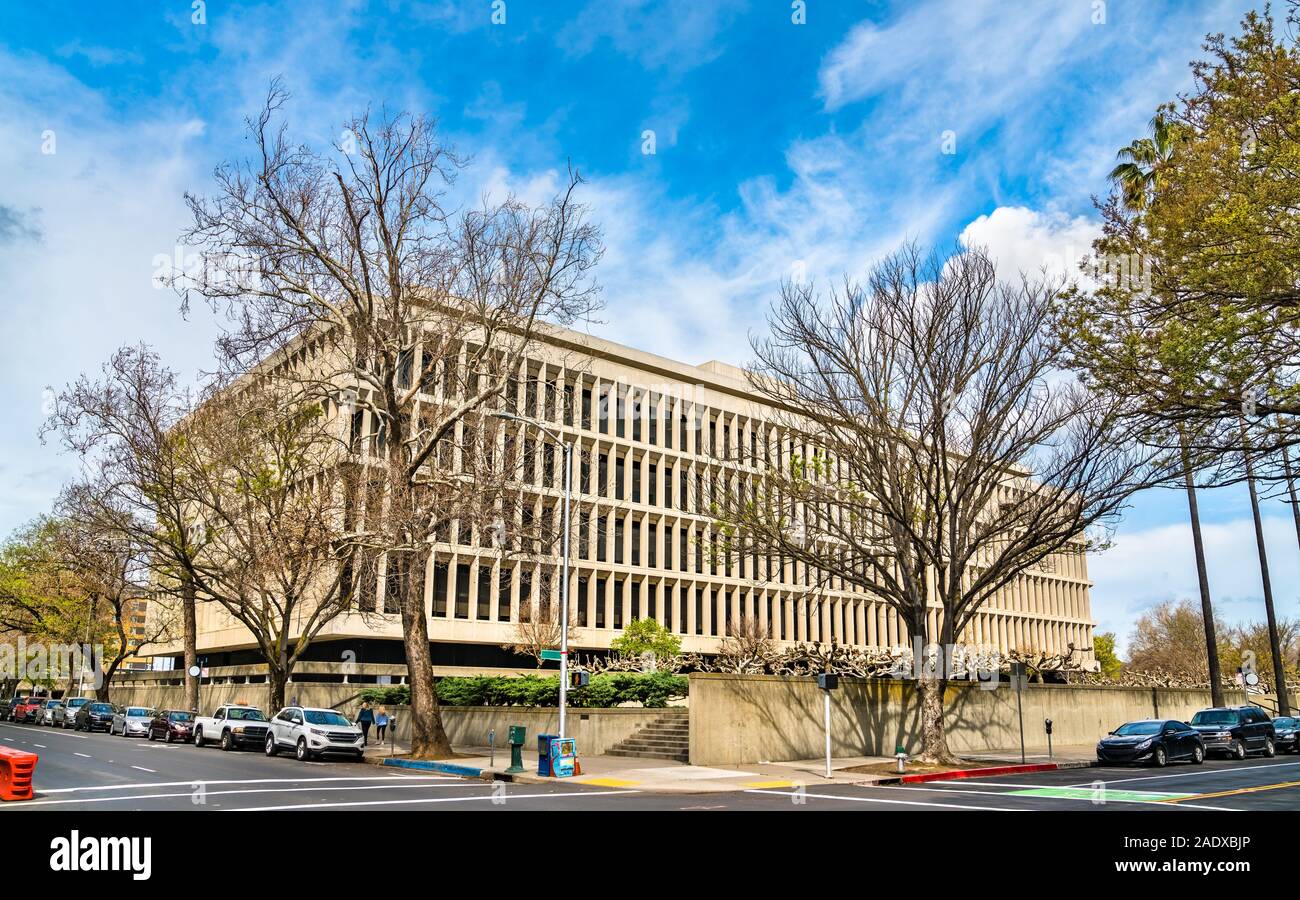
(777, 145)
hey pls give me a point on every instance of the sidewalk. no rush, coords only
(665, 776)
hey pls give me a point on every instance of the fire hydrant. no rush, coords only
(901, 757)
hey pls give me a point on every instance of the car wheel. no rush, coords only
(198, 737)
(149, 734)
(1270, 749)
(1159, 758)
(168, 738)
(360, 755)
(270, 745)
(1238, 750)
(1198, 755)
(227, 741)
(301, 751)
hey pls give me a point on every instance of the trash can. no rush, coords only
(544, 754)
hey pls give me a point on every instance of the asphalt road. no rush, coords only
(97, 772)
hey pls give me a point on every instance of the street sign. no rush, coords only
(552, 654)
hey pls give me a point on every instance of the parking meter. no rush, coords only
(1047, 723)
(516, 735)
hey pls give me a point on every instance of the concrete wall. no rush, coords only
(596, 730)
(737, 719)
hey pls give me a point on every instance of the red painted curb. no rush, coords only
(974, 773)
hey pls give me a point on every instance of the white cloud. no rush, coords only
(1148, 566)
(1031, 241)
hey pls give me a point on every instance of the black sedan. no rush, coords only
(1157, 741)
(1287, 733)
(94, 717)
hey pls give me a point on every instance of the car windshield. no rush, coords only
(101, 708)
(1140, 728)
(139, 712)
(1284, 722)
(179, 717)
(54, 705)
(245, 715)
(1215, 717)
(322, 717)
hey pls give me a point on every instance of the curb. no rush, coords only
(987, 771)
(430, 765)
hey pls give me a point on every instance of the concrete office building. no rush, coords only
(640, 546)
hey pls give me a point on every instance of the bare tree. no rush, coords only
(928, 452)
(747, 648)
(122, 427)
(263, 477)
(540, 627)
(344, 274)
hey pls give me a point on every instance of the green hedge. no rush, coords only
(604, 691)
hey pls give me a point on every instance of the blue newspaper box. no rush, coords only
(564, 757)
(544, 753)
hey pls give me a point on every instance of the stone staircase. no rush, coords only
(667, 737)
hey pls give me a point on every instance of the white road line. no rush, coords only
(84, 755)
(1034, 787)
(1205, 773)
(508, 797)
(41, 746)
(58, 731)
(194, 782)
(882, 800)
(143, 769)
(1108, 801)
(298, 790)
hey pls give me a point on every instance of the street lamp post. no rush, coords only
(566, 448)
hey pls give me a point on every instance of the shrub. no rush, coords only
(604, 691)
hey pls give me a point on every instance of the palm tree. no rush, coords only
(1138, 177)
(1141, 162)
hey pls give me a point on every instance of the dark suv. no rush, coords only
(1236, 731)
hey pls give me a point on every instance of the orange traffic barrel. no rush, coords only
(16, 770)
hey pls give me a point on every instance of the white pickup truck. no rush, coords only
(232, 726)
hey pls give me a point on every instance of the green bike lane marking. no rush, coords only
(1098, 793)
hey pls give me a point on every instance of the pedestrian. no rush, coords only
(381, 722)
(365, 718)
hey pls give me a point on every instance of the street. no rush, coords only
(98, 772)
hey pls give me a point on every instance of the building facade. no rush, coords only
(654, 439)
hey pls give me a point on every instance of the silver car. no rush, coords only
(67, 714)
(131, 721)
(50, 713)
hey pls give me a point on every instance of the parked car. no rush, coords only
(1236, 731)
(1157, 741)
(1286, 733)
(7, 708)
(94, 716)
(233, 727)
(171, 725)
(131, 721)
(28, 709)
(310, 733)
(67, 717)
(50, 712)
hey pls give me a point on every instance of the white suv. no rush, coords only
(312, 732)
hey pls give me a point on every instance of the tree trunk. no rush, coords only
(106, 682)
(1275, 645)
(191, 631)
(1202, 577)
(427, 735)
(278, 678)
(934, 741)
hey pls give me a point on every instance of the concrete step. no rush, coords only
(644, 754)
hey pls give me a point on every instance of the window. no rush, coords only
(440, 589)
(618, 603)
(682, 540)
(636, 416)
(699, 611)
(668, 487)
(654, 546)
(636, 481)
(668, 424)
(525, 596)
(503, 594)
(652, 416)
(602, 483)
(618, 541)
(584, 541)
(603, 412)
(462, 591)
(583, 588)
(600, 602)
(636, 600)
(568, 405)
(652, 601)
(586, 408)
(620, 472)
(600, 538)
(484, 605)
(654, 485)
(620, 412)
(636, 543)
